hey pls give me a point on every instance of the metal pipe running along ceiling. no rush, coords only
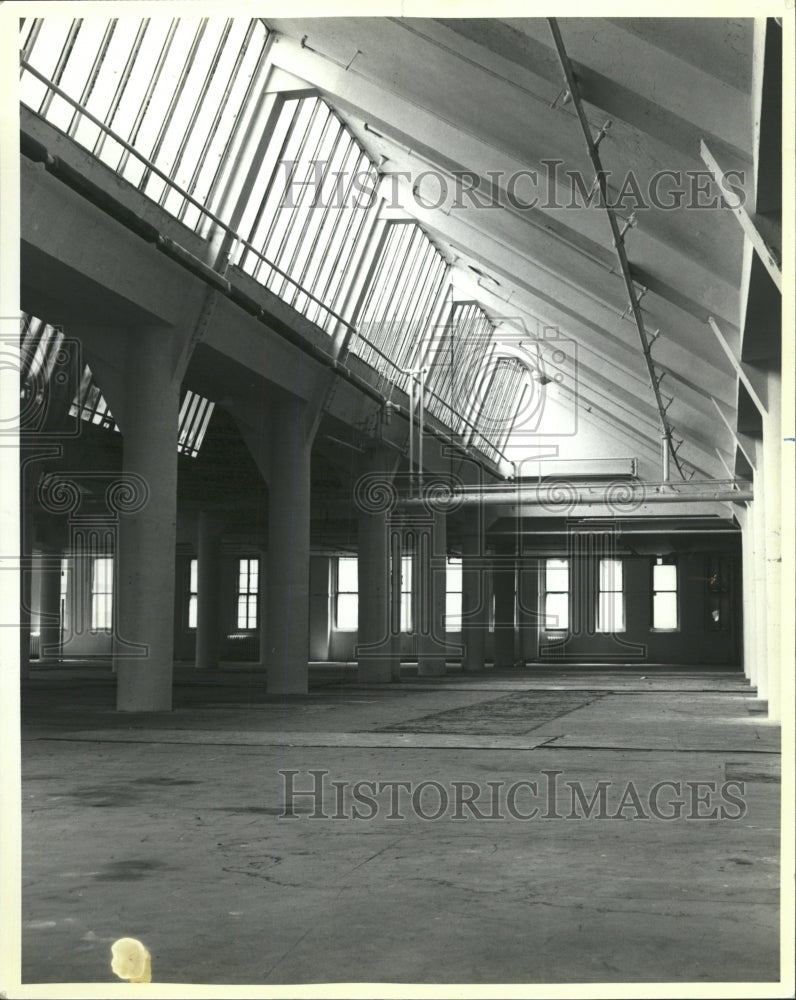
(442, 495)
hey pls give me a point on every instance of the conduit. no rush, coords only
(619, 241)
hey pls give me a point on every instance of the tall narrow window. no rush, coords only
(346, 612)
(556, 594)
(193, 590)
(611, 597)
(406, 594)
(664, 594)
(102, 594)
(248, 588)
(453, 595)
(65, 593)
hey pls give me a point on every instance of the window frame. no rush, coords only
(407, 594)
(106, 594)
(247, 594)
(193, 594)
(665, 561)
(455, 561)
(600, 590)
(544, 592)
(337, 593)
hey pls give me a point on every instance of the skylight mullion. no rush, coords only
(280, 221)
(60, 65)
(351, 237)
(145, 102)
(307, 243)
(76, 72)
(376, 300)
(401, 291)
(426, 288)
(118, 93)
(398, 235)
(30, 41)
(165, 124)
(324, 235)
(193, 430)
(208, 75)
(202, 430)
(244, 101)
(251, 236)
(91, 80)
(299, 219)
(219, 114)
(186, 417)
(326, 280)
(430, 309)
(400, 301)
(438, 358)
(431, 349)
(438, 308)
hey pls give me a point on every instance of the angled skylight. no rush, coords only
(179, 90)
(403, 304)
(310, 211)
(89, 403)
(195, 414)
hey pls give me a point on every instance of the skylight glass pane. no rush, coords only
(179, 90)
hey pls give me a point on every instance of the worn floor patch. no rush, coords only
(513, 714)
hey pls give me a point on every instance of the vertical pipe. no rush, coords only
(411, 433)
(420, 429)
(665, 442)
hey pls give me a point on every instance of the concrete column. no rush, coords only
(25, 577)
(375, 649)
(430, 610)
(287, 665)
(503, 583)
(528, 615)
(50, 607)
(475, 610)
(760, 610)
(208, 593)
(395, 533)
(262, 611)
(772, 486)
(319, 607)
(748, 595)
(148, 530)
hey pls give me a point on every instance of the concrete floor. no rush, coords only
(167, 827)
